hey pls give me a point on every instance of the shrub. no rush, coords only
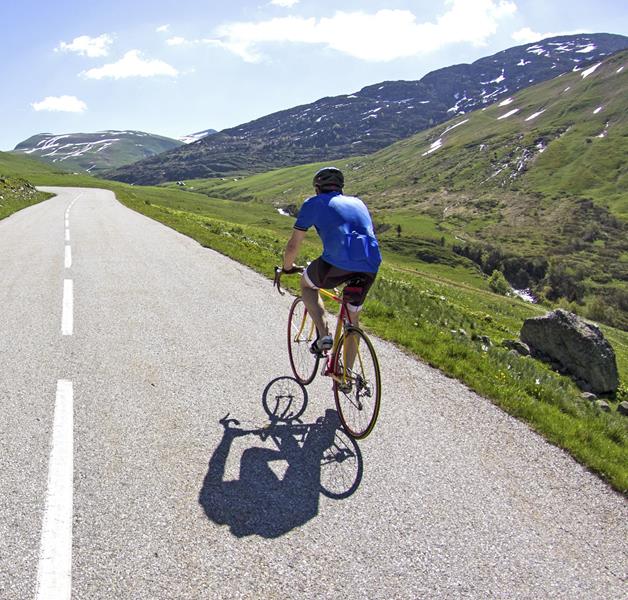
(497, 282)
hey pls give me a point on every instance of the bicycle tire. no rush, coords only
(358, 408)
(301, 335)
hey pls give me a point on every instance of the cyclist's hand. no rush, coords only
(292, 270)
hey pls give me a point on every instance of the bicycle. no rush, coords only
(351, 363)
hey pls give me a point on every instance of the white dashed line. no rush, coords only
(67, 318)
(54, 575)
(68, 257)
(67, 235)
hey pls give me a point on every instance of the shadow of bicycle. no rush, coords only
(280, 482)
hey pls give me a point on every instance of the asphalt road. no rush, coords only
(448, 498)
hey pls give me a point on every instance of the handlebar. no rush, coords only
(279, 271)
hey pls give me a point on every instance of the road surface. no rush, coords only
(120, 357)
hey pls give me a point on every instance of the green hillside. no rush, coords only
(17, 193)
(95, 152)
(16, 189)
(540, 193)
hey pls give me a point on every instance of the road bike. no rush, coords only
(351, 363)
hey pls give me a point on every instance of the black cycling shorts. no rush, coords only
(321, 274)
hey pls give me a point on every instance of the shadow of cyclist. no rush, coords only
(260, 502)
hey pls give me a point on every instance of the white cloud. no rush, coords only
(87, 46)
(60, 104)
(284, 3)
(176, 41)
(382, 36)
(132, 65)
(163, 29)
(526, 35)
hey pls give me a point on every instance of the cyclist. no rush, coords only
(350, 250)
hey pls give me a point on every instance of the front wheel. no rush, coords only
(301, 335)
(357, 383)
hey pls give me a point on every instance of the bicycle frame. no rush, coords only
(344, 320)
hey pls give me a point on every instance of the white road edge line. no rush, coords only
(67, 317)
(68, 257)
(54, 573)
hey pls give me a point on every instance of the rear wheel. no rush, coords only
(357, 383)
(301, 335)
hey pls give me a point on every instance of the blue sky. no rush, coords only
(177, 67)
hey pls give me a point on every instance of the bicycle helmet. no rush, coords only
(329, 178)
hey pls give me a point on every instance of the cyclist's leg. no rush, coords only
(350, 345)
(360, 283)
(314, 305)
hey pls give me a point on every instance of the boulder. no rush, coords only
(622, 409)
(603, 405)
(578, 347)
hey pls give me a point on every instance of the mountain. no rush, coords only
(374, 117)
(535, 185)
(194, 137)
(95, 152)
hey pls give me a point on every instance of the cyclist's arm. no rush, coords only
(292, 248)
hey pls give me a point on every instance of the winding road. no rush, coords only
(123, 345)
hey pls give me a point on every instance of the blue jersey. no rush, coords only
(346, 230)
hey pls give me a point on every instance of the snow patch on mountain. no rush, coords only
(538, 50)
(535, 115)
(508, 114)
(435, 146)
(498, 79)
(454, 126)
(195, 137)
(505, 102)
(456, 107)
(590, 70)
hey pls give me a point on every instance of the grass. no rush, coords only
(16, 194)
